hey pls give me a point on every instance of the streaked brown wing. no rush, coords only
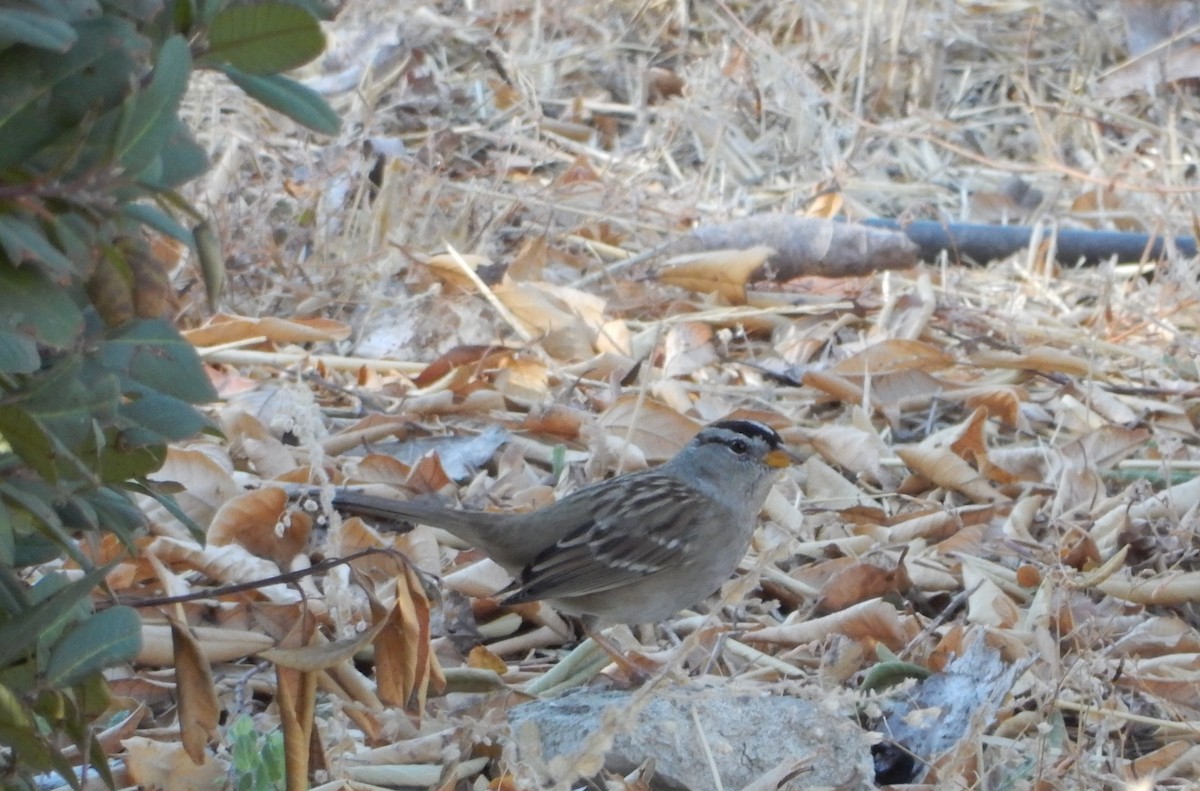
(603, 554)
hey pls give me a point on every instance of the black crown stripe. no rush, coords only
(751, 428)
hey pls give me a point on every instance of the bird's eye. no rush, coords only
(738, 446)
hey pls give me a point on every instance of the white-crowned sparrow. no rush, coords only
(632, 549)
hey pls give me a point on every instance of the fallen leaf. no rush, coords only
(723, 272)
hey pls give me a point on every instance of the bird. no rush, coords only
(635, 548)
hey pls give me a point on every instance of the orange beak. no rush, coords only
(778, 459)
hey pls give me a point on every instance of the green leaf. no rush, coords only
(19, 732)
(78, 514)
(212, 264)
(36, 500)
(101, 640)
(118, 463)
(71, 235)
(92, 76)
(264, 39)
(153, 353)
(207, 10)
(18, 636)
(29, 440)
(23, 240)
(18, 26)
(182, 159)
(34, 549)
(156, 419)
(8, 556)
(153, 118)
(116, 512)
(302, 104)
(154, 217)
(68, 400)
(18, 353)
(140, 10)
(33, 305)
(183, 15)
(97, 755)
(888, 674)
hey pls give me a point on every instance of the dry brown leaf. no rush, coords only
(380, 468)
(860, 582)
(1170, 678)
(1002, 403)
(483, 659)
(470, 360)
(153, 763)
(477, 580)
(894, 356)
(321, 654)
(249, 435)
(169, 582)
(1145, 73)
(829, 489)
(1042, 359)
(1105, 447)
(523, 376)
(932, 527)
(404, 660)
(906, 391)
(415, 612)
(395, 657)
(837, 386)
(567, 319)
(852, 449)
(372, 428)
(870, 620)
(1170, 588)
(988, 604)
(1096, 207)
(427, 475)
(1158, 761)
(530, 260)
(555, 420)
(354, 535)
(257, 521)
(969, 440)
(295, 699)
(1156, 636)
(945, 469)
(447, 268)
(662, 84)
(723, 272)
(827, 205)
(227, 564)
(216, 644)
(223, 329)
(204, 474)
(199, 711)
(657, 430)
(687, 348)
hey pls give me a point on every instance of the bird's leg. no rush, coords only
(637, 668)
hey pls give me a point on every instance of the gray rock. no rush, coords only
(691, 731)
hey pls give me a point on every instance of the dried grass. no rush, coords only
(555, 138)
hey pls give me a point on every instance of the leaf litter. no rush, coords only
(1001, 455)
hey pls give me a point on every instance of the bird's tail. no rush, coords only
(401, 515)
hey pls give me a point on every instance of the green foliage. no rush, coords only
(258, 761)
(94, 382)
(264, 39)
